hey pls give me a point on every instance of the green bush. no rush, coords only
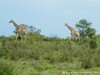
(5, 68)
(35, 54)
(42, 65)
(89, 58)
(52, 50)
(96, 58)
(93, 44)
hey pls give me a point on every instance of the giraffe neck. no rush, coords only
(70, 28)
(15, 24)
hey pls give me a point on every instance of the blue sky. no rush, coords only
(48, 15)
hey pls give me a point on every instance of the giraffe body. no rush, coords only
(73, 32)
(20, 30)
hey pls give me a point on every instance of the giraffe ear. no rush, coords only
(10, 21)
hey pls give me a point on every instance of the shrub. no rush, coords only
(89, 58)
(96, 58)
(35, 54)
(5, 68)
(93, 44)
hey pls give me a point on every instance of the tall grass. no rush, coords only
(49, 53)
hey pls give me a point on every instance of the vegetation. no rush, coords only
(42, 55)
(87, 32)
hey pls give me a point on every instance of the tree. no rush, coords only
(34, 30)
(90, 32)
(85, 29)
(25, 26)
(87, 32)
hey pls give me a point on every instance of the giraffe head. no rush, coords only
(66, 24)
(10, 21)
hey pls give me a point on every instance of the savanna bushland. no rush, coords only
(44, 55)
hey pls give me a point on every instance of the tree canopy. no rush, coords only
(85, 29)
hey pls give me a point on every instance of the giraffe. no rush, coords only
(20, 30)
(73, 32)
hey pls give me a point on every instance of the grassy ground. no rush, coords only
(44, 68)
(48, 56)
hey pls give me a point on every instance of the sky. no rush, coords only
(48, 15)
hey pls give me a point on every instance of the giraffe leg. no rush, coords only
(79, 38)
(22, 38)
(71, 37)
(16, 36)
(28, 37)
(25, 37)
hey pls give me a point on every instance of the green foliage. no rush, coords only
(85, 59)
(5, 68)
(90, 32)
(87, 33)
(93, 44)
(85, 29)
(43, 55)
